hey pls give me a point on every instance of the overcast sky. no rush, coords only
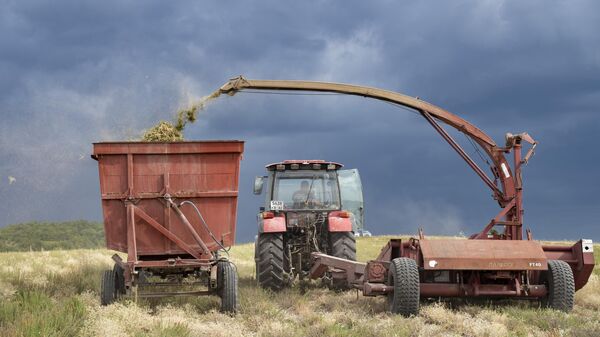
(76, 72)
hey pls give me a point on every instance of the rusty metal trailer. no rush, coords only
(172, 208)
(498, 262)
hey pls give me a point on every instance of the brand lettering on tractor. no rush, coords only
(535, 264)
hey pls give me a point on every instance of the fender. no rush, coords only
(339, 221)
(275, 224)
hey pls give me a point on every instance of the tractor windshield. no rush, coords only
(307, 190)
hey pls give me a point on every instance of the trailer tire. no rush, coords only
(228, 279)
(119, 280)
(108, 290)
(560, 285)
(270, 261)
(343, 245)
(403, 276)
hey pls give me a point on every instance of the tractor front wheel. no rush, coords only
(403, 276)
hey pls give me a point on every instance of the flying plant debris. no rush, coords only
(168, 132)
(11, 180)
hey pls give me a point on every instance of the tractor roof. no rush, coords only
(306, 164)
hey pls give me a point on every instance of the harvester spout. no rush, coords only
(233, 85)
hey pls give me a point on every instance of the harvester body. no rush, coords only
(499, 261)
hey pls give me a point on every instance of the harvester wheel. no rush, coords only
(561, 286)
(270, 261)
(343, 245)
(403, 276)
(228, 279)
(108, 290)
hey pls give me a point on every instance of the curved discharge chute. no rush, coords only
(508, 196)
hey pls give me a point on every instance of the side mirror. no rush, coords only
(258, 184)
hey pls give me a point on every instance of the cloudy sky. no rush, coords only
(76, 72)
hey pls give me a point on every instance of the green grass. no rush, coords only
(55, 293)
(51, 236)
(33, 313)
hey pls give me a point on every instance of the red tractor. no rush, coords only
(310, 206)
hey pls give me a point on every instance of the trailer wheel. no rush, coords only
(561, 286)
(270, 261)
(403, 276)
(108, 290)
(119, 280)
(227, 277)
(343, 245)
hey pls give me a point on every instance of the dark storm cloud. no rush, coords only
(77, 72)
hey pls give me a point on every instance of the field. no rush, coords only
(55, 293)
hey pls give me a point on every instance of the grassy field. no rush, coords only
(51, 236)
(55, 293)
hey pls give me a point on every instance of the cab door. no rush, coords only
(352, 196)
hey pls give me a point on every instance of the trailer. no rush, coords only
(171, 207)
(497, 262)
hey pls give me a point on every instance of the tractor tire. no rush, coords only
(560, 285)
(270, 261)
(403, 276)
(227, 278)
(343, 245)
(108, 290)
(120, 289)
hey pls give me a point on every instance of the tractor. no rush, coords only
(311, 206)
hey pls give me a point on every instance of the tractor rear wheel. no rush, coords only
(560, 285)
(343, 245)
(403, 276)
(108, 289)
(227, 279)
(270, 261)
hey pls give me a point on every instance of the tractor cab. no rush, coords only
(312, 185)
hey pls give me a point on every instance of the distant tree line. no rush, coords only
(52, 236)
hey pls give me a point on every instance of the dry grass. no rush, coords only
(55, 294)
(163, 132)
(173, 132)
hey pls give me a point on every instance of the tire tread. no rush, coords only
(561, 286)
(107, 288)
(227, 273)
(270, 261)
(404, 274)
(343, 245)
